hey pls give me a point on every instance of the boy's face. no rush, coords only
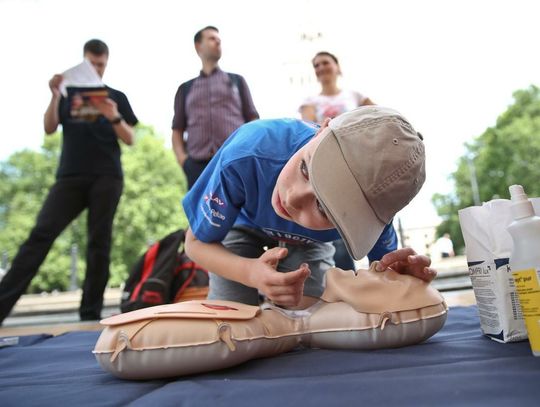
(293, 197)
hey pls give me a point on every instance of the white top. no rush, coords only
(332, 106)
(444, 245)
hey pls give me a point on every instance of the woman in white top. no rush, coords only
(332, 100)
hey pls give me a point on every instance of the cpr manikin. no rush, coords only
(362, 310)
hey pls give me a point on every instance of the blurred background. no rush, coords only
(464, 73)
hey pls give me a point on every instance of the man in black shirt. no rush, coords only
(89, 177)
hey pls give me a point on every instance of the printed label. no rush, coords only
(498, 306)
(288, 237)
(485, 292)
(528, 289)
(211, 209)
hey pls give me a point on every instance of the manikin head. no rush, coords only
(362, 290)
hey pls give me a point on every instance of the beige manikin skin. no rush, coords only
(362, 310)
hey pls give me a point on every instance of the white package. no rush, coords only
(488, 246)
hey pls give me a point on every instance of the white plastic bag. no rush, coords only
(488, 246)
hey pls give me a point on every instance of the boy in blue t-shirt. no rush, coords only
(264, 212)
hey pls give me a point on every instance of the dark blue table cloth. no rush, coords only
(456, 367)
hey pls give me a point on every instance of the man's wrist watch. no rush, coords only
(117, 119)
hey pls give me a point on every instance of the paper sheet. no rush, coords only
(81, 75)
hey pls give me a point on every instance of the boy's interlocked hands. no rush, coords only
(285, 289)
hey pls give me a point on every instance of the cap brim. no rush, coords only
(342, 197)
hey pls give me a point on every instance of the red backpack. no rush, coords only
(163, 275)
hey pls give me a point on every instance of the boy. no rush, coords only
(287, 183)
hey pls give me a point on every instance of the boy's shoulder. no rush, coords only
(279, 126)
(268, 138)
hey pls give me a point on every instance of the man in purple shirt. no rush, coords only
(208, 108)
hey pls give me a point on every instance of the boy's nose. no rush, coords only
(299, 197)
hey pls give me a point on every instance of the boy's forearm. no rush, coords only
(216, 258)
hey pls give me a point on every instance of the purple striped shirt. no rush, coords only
(215, 107)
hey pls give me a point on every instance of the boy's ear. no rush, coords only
(324, 125)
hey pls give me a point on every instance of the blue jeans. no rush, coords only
(251, 243)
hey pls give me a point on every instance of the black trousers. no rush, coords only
(193, 169)
(67, 198)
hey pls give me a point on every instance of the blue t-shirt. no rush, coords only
(236, 187)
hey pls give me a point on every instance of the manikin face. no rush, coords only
(362, 290)
(210, 46)
(326, 68)
(293, 197)
(99, 62)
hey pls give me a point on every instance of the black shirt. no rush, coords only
(92, 148)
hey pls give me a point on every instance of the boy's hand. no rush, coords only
(406, 261)
(285, 289)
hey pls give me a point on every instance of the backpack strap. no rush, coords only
(148, 267)
(184, 91)
(237, 81)
(150, 279)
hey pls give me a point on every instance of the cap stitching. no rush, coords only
(372, 122)
(400, 171)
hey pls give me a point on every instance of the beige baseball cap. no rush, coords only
(368, 166)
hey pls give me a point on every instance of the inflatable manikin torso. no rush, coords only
(362, 310)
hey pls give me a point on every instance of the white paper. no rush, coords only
(81, 75)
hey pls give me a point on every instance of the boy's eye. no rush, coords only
(321, 209)
(304, 169)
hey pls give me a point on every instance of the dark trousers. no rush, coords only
(193, 169)
(67, 198)
(342, 258)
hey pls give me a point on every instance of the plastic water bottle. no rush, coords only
(525, 262)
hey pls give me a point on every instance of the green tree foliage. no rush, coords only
(506, 154)
(25, 179)
(150, 207)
